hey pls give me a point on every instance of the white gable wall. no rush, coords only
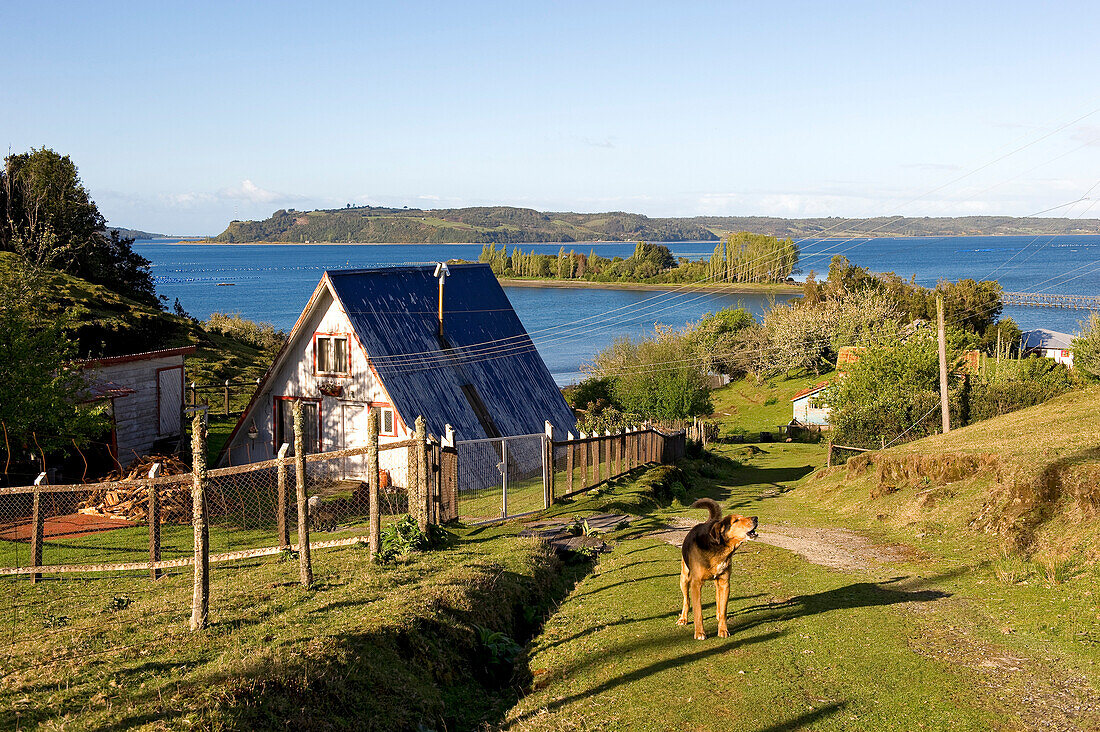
(344, 418)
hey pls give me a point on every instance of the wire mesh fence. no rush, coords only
(511, 476)
(501, 477)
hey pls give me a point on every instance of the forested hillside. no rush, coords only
(508, 225)
(499, 224)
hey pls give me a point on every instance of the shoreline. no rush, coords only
(591, 242)
(733, 289)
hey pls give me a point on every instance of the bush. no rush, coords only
(1086, 347)
(1016, 385)
(260, 335)
(658, 377)
(404, 536)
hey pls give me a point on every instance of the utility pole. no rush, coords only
(945, 405)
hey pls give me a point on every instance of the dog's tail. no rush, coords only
(710, 505)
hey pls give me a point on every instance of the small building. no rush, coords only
(1048, 343)
(809, 406)
(145, 391)
(436, 341)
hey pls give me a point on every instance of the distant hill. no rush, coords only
(134, 233)
(498, 224)
(506, 224)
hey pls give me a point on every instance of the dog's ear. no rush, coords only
(718, 530)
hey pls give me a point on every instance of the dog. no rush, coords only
(707, 550)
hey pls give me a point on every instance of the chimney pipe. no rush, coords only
(441, 273)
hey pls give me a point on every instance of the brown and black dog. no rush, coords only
(707, 550)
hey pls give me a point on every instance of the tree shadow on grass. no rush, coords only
(802, 721)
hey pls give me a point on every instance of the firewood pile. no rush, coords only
(132, 502)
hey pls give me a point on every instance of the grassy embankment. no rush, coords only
(924, 623)
(369, 646)
(102, 322)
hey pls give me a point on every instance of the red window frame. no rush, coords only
(275, 421)
(347, 353)
(380, 406)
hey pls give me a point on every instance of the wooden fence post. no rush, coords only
(227, 397)
(420, 449)
(449, 471)
(570, 460)
(582, 448)
(548, 465)
(200, 597)
(829, 458)
(432, 454)
(616, 456)
(281, 507)
(153, 517)
(305, 566)
(38, 527)
(375, 530)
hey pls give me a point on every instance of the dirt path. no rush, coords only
(841, 549)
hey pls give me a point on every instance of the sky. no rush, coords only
(184, 116)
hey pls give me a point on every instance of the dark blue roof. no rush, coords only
(394, 314)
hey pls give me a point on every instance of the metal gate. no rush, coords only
(501, 477)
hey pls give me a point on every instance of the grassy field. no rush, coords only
(749, 406)
(888, 595)
(368, 646)
(935, 638)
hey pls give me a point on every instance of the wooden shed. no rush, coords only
(145, 391)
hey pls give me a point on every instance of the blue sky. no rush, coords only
(183, 116)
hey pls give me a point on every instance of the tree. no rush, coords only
(658, 377)
(719, 341)
(894, 387)
(40, 392)
(49, 219)
(1086, 347)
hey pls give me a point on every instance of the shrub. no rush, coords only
(1018, 384)
(1086, 347)
(261, 335)
(657, 377)
(404, 536)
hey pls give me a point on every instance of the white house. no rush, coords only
(145, 391)
(439, 342)
(1048, 343)
(809, 407)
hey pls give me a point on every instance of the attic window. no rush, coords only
(330, 354)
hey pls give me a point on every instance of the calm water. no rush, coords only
(273, 282)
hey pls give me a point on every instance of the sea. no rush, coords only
(272, 282)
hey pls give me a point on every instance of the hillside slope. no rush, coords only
(1030, 479)
(104, 323)
(506, 224)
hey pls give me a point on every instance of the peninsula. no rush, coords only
(510, 225)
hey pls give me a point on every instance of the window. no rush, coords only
(284, 424)
(330, 354)
(387, 422)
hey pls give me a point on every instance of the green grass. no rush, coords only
(751, 406)
(917, 644)
(386, 647)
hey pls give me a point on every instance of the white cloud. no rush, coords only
(249, 191)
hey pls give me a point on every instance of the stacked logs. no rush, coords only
(131, 502)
